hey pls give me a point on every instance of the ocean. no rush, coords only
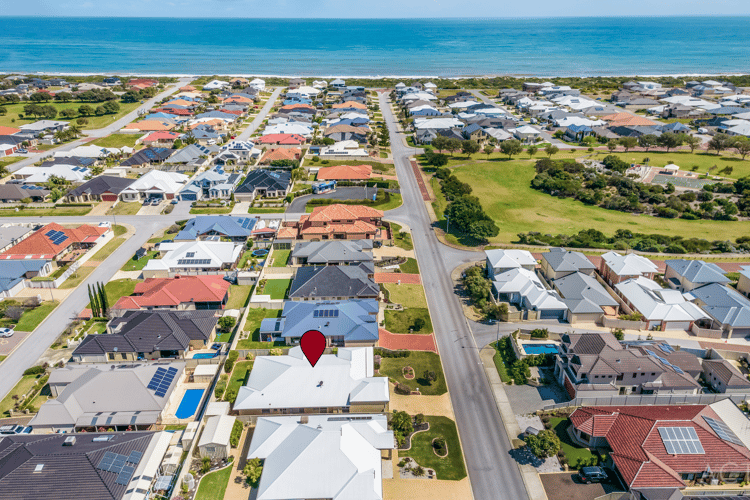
(369, 47)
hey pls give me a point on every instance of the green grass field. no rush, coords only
(214, 484)
(117, 141)
(211, 211)
(687, 161)
(572, 451)
(45, 212)
(95, 122)
(138, 265)
(410, 266)
(77, 277)
(401, 239)
(419, 361)
(118, 288)
(506, 195)
(276, 288)
(123, 208)
(238, 295)
(259, 210)
(30, 319)
(451, 467)
(239, 375)
(280, 258)
(402, 321)
(407, 295)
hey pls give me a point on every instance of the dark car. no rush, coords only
(592, 475)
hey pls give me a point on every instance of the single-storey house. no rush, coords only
(265, 184)
(334, 283)
(100, 188)
(181, 293)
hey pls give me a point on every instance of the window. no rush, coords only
(124, 356)
(634, 375)
(112, 356)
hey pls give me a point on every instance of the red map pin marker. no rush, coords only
(313, 343)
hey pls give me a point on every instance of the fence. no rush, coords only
(267, 352)
(707, 333)
(702, 492)
(610, 290)
(622, 323)
(650, 400)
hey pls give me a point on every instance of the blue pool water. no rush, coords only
(540, 348)
(204, 355)
(261, 252)
(189, 403)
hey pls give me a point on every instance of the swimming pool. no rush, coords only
(540, 348)
(189, 403)
(204, 355)
(260, 252)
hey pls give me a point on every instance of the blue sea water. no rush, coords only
(404, 47)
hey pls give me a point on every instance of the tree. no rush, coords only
(401, 422)
(453, 145)
(545, 444)
(189, 138)
(628, 142)
(419, 323)
(3, 111)
(177, 144)
(252, 471)
(40, 97)
(670, 140)
(205, 464)
(226, 323)
(551, 150)
(64, 96)
(719, 142)
(82, 121)
(68, 113)
(647, 141)
(111, 107)
(32, 109)
(94, 304)
(103, 301)
(612, 144)
(742, 146)
(440, 143)
(532, 150)
(85, 110)
(619, 334)
(429, 376)
(692, 142)
(488, 149)
(469, 147)
(100, 111)
(131, 96)
(511, 147)
(436, 159)
(483, 230)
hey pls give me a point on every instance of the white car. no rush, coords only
(6, 332)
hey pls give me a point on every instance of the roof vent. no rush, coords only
(69, 441)
(617, 360)
(320, 384)
(38, 467)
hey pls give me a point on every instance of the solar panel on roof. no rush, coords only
(135, 457)
(724, 432)
(681, 441)
(651, 353)
(667, 347)
(49, 233)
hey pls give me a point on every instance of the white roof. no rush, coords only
(216, 84)
(527, 284)
(291, 382)
(578, 120)
(416, 96)
(5, 147)
(33, 175)
(204, 370)
(498, 133)
(574, 102)
(422, 107)
(510, 258)
(289, 128)
(303, 91)
(217, 430)
(693, 102)
(157, 180)
(217, 408)
(629, 265)
(437, 123)
(742, 129)
(657, 303)
(148, 467)
(336, 457)
(42, 125)
(525, 130)
(671, 166)
(462, 104)
(194, 254)
(87, 152)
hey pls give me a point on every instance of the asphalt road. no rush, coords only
(342, 193)
(102, 132)
(245, 135)
(493, 473)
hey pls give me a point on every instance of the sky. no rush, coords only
(378, 9)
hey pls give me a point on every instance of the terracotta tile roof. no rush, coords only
(40, 246)
(213, 122)
(147, 125)
(9, 130)
(349, 104)
(281, 139)
(281, 154)
(627, 120)
(345, 172)
(344, 212)
(358, 227)
(299, 105)
(188, 88)
(173, 111)
(287, 232)
(161, 136)
(162, 292)
(237, 98)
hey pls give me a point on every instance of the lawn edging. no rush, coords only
(197, 485)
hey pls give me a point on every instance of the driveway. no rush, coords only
(525, 399)
(182, 208)
(343, 193)
(563, 486)
(153, 209)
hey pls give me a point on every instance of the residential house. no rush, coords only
(724, 378)
(280, 154)
(597, 365)
(338, 383)
(348, 323)
(198, 257)
(728, 310)
(139, 335)
(669, 446)
(337, 222)
(340, 253)
(661, 308)
(8, 149)
(264, 184)
(685, 275)
(524, 289)
(500, 261)
(347, 133)
(147, 157)
(211, 184)
(44, 126)
(192, 157)
(282, 139)
(331, 282)
(42, 175)
(148, 125)
(345, 173)
(291, 447)
(154, 184)
(616, 268)
(53, 242)
(216, 85)
(558, 263)
(743, 284)
(90, 397)
(101, 188)
(215, 441)
(15, 193)
(45, 463)
(208, 227)
(245, 151)
(14, 273)
(587, 300)
(181, 293)
(160, 139)
(10, 234)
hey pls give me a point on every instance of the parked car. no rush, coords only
(173, 202)
(702, 130)
(155, 201)
(216, 346)
(6, 332)
(592, 475)
(22, 151)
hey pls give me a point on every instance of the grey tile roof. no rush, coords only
(323, 252)
(560, 259)
(334, 281)
(222, 225)
(697, 271)
(583, 294)
(724, 304)
(102, 184)
(356, 320)
(272, 180)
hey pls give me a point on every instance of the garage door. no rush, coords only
(109, 197)
(189, 197)
(551, 314)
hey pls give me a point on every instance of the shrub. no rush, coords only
(231, 358)
(402, 389)
(34, 370)
(545, 444)
(234, 438)
(540, 333)
(275, 352)
(226, 323)
(385, 353)
(441, 448)
(205, 465)
(253, 470)
(419, 418)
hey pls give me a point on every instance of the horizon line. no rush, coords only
(447, 18)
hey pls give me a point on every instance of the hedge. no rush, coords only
(387, 353)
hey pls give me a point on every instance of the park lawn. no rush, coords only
(45, 212)
(117, 141)
(451, 467)
(30, 319)
(504, 189)
(276, 288)
(280, 258)
(123, 208)
(238, 295)
(94, 122)
(407, 295)
(419, 361)
(572, 451)
(108, 249)
(22, 387)
(239, 375)
(118, 288)
(138, 265)
(401, 239)
(214, 484)
(410, 266)
(77, 277)
(401, 321)
(687, 161)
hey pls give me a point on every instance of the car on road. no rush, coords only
(592, 475)
(6, 332)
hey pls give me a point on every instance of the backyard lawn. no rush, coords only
(118, 288)
(254, 317)
(239, 375)
(407, 295)
(419, 361)
(138, 265)
(280, 258)
(276, 288)
(572, 451)
(402, 321)
(30, 319)
(214, 484)
(123, 208)
(401, 239)
(238, 295)
(450, 467)
(117, 141)
(410, 266)
(506, 195)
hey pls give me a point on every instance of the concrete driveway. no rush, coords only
(344, 193)
(153, 209)
(182, 208)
